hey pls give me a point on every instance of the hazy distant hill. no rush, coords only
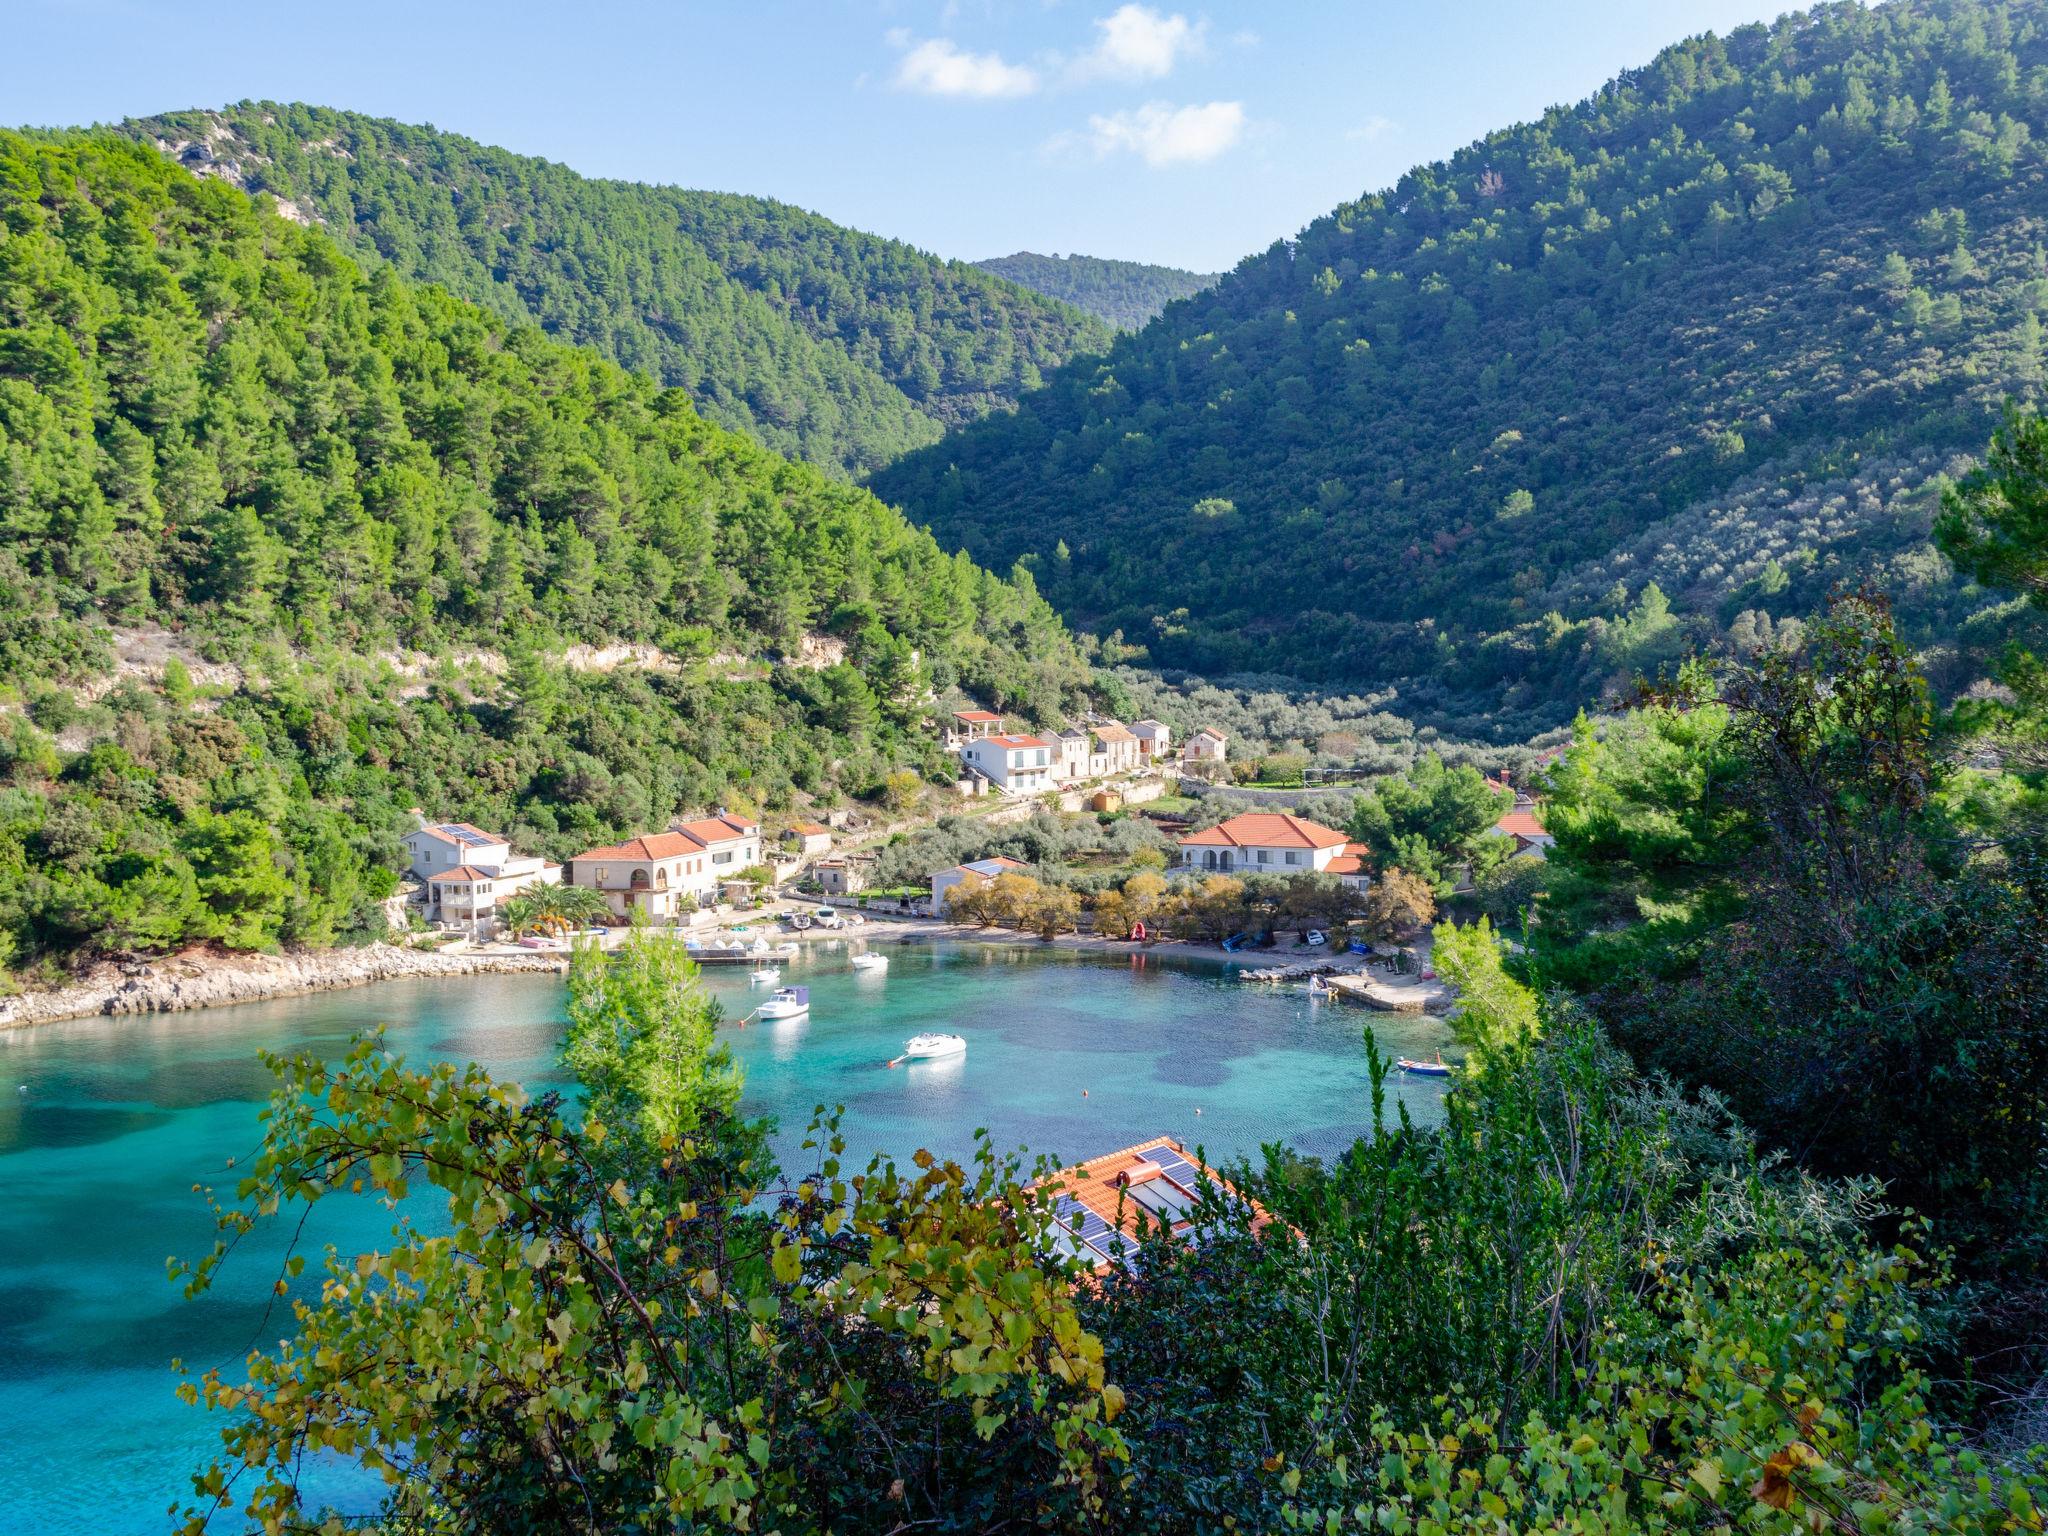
(1662, 366)
(1126, 294)
(821, 341)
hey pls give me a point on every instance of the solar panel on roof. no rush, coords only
(1162, 1199)
(1095, 1232)
(467, 835)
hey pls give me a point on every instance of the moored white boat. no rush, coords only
(765, 974)
(870, 962)
(929, 1047)
(786, 1003)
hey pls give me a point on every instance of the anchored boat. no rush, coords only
(1437, 1068)
(786, 1003)
(870, 962)
(931, 1047)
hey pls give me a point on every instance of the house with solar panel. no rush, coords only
(466, 874)
(1103, 1204)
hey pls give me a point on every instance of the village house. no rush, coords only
(807, 839)
(974, 871)
(1103, 1203)
(1205, 752)
(1016, 765)
(1070, 763)
(840, 876)
(1352, 866)
(1155, 741)
(1262, 843)
(1528, 833)
(466, 873)
(971, 725)
(665, 875)
(1114, 750)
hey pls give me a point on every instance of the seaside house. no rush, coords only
(1528, 833)
(1016, 765)
(807, 839)
(1102, 1203)
(664, 875)
(1205, 752)
(1155, 741)
(1262, 843)
(840, 876)
(465, 873)
(1352, 866)
(975, 871)
(968, 725)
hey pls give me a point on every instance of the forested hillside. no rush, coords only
(1661, 367)
(820, 341)
(212, 419)
(1124, 294)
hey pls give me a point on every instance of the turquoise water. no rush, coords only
(122, 1116)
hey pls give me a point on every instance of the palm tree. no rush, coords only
(553, 909)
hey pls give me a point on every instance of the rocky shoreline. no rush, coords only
(208, 979)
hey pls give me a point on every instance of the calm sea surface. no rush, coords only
(121, 1117)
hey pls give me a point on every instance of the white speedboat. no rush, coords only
(767, 973)
(931, 1047)
(786, 1003)
(871, 962)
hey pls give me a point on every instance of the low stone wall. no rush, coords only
(1323, 797)
(203, 979)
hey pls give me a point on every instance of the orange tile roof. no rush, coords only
(1100, 1184)
(450, 832)
(690, 837)
(810, 829)
(1018, 741)
(1265, 829)
(1345, 864)
(716, 829)
(463, 872)
(977, 716)
(1113, 733)
(1520, 824)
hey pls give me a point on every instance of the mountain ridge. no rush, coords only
(1123, 294)
(1656, 369)
(821, 341)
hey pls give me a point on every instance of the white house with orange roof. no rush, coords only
(665, 875)
(1263, 843)
(1527, 831)
(1353, 866)
(967, 725)
(1016, 765)
(465, 873)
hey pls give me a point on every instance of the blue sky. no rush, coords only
(1161, 132)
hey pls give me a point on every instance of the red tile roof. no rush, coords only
(463, 872)
(1099, 1184)
(1520, 824)
(1345, 864)
(690, 837)
(1018, 741)
(1265, 829)
(448, 832)
(977, 717)
(1113, 733)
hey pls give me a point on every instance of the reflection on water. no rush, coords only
(1068, 1054)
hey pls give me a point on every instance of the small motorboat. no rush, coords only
(786, 1003)
(931, 1047)
(767, 973)
(1317, 987)
(870, 962)
(1437, 1068)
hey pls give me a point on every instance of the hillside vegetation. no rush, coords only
(820, 341)
(1660, 367)
(1124, 294)
(212, 419)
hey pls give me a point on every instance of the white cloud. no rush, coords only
(1163, 134)
(939, 67)
(1138, 43)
